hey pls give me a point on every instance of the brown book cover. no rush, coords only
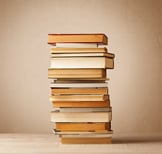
(76, 73)
(77, 38)
(66, 91)
(94, 127)
(79, 98)
(78, 50)
(78, 104)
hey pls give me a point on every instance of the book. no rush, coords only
(94, 127)
(78, 85)
(66, 55)
(82, 62)
(104, 133)
(61, 91)
(78, 104)
(76, 45)
(79, 80)
(77, 38)
(71, 109)
(86, 140)
(78, 50)
(76, 73)
(81, 117)
(79, 98)
(85, 134)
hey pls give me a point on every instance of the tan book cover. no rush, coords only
(65, 91)
(77, 50)
(79, 98)
(76, 73)
(78, 104)
(77, 38)
(94, 127)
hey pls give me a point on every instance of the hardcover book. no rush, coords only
(77, 38)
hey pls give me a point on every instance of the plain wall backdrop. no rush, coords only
(135, 36)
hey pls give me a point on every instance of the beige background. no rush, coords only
(135, 36)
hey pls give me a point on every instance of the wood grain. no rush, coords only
(102, 140)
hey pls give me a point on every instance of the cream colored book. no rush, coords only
(76, 45)
(78, 50)
(82, 62)
(78, 98)
(81, 117)
(78, 85)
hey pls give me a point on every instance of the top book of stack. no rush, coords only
(55, 39)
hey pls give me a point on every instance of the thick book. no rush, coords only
(79, 98)
(78, 50)
(93, 127)
(78, 85)
(65, 91)
(77, 38)
(82, 62)
(78, 104)
(86, 140)
(81, 117)
(76, 73)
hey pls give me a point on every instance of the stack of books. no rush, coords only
(79, 88)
